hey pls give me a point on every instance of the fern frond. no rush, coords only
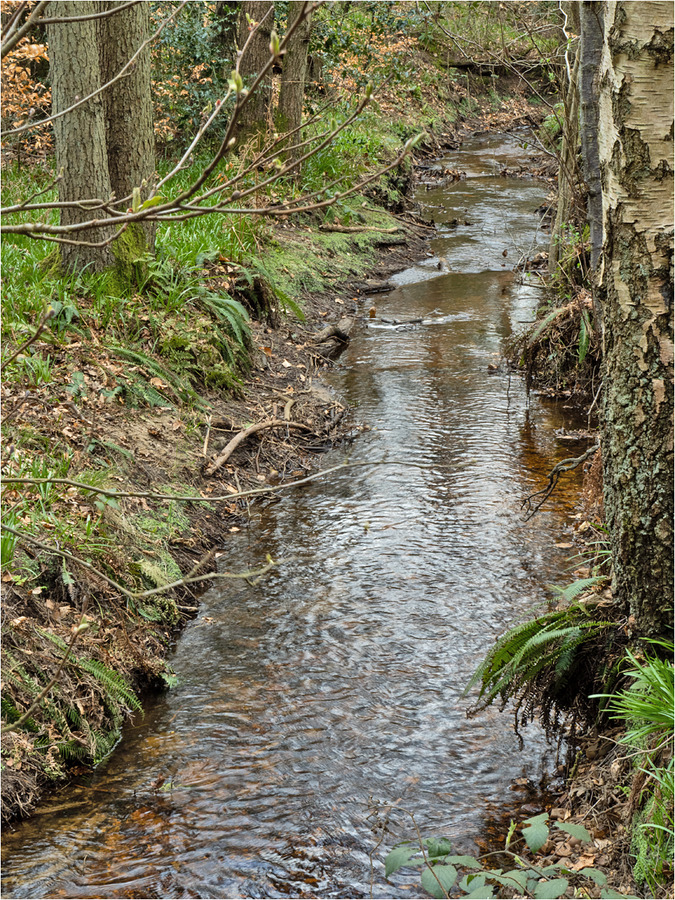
(572, 591)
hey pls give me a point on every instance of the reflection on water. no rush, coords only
(312, 702)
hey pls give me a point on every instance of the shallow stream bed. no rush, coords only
(311, 703)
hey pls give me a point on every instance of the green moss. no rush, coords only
(130, 251)
(291, 261)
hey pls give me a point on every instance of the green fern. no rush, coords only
(177, 385)
(114, 685)
(550, 642)
(223, 307)
(574, 590)
(105, 743)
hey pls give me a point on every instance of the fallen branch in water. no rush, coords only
(241, 437)
(339, 331)
(214, 498)
(565, 465)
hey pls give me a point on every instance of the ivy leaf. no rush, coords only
(577, 831)
(399, 857)
(610, 894)
(551, 890)
(446, 875)
(535, 831)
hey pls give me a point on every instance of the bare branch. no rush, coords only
(48, 314)
(211, 498)
(143, 595)
(122, 72)
(65, 20)
(12, 39)
(565, 465)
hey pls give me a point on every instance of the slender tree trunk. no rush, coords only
(635, 150)
(291, 97)
(79, 136)
(592, 34)
(256, 115)
(568, 175)
(130, 137)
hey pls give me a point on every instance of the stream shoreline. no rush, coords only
(172, 449)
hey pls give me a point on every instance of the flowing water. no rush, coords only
(311, 703)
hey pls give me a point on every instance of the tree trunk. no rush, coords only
(79, 136)
(635, 282)
(291, 97)
(568, 177)
(592, 33)
(128, 109)
(255, 116)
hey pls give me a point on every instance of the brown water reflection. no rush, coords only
(309, 704)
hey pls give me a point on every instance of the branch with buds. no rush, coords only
(198, 198)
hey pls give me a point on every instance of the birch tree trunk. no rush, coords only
(79, 136)
(635, 283)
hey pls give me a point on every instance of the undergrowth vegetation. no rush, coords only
(646, 710)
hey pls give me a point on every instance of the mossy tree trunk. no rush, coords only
(635, 286)
(130, 139)
(79, 136)
(255, 117)
(288, 116)
(592, 41)
(105, 146)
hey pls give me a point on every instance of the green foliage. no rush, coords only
(443, 872)
(648, 710)
(116, 688)
(535, 648)
(191, 63)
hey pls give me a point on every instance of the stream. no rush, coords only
(309, 704)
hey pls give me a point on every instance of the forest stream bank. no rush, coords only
(441, 529)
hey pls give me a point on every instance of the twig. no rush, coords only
(65, 20)
(122, 72)
(200, 498)
(13, 37)
(47, 315)
(357, 229)
(565, 465)
(241, 437)
(250, 576)
(206, 437)
(81, 626)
